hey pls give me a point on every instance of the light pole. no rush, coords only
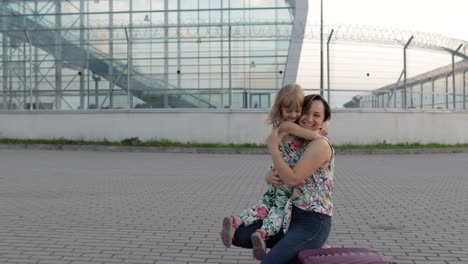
(453, 76)
(321, 47)
(251, 67)
(96, 79)
(129, 67)
(404, 72)
(328, 66)
(28, 38)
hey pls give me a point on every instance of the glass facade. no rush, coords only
(119, 54)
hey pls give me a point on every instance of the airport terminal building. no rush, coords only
(200, 71)
(126, 54)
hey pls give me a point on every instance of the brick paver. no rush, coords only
(107, 207)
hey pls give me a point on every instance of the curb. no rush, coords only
(401, 151)
(263, 151)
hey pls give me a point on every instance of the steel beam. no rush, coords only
(433, 93)
(82, 44)
(36, 67)
(421, 97)
(111, 53)
(166, 55)
(58, 56)
(464, 90)
(5, 44)
(446, 93)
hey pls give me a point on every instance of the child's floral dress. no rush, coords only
(270, 207)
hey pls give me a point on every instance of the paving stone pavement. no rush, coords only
(77, 207)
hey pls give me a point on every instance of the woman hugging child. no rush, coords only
(270, 208)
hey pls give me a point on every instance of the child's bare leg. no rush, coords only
(262, 232)
(236, 222)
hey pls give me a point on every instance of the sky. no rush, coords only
(447, 17)
(368, 66)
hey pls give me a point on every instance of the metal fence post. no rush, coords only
(404, 71)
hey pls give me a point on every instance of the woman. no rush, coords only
(307, 220)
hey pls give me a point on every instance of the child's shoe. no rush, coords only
(229, 228)
(258, 244)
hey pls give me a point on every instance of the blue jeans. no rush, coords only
(308, 230)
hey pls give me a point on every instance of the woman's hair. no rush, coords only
(308, 99)
(291, 97)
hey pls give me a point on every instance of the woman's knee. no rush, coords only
(280, 256)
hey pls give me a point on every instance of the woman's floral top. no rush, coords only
(315, 193)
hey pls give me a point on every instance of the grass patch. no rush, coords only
(135, 141)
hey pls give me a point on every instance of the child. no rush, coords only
(270, 208)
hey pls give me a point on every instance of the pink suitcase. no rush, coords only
(341, 256)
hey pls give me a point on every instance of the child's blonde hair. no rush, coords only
(291, 97)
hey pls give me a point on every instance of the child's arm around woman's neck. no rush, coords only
(294, 129)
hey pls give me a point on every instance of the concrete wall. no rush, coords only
(236, 126)
(371, 127)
